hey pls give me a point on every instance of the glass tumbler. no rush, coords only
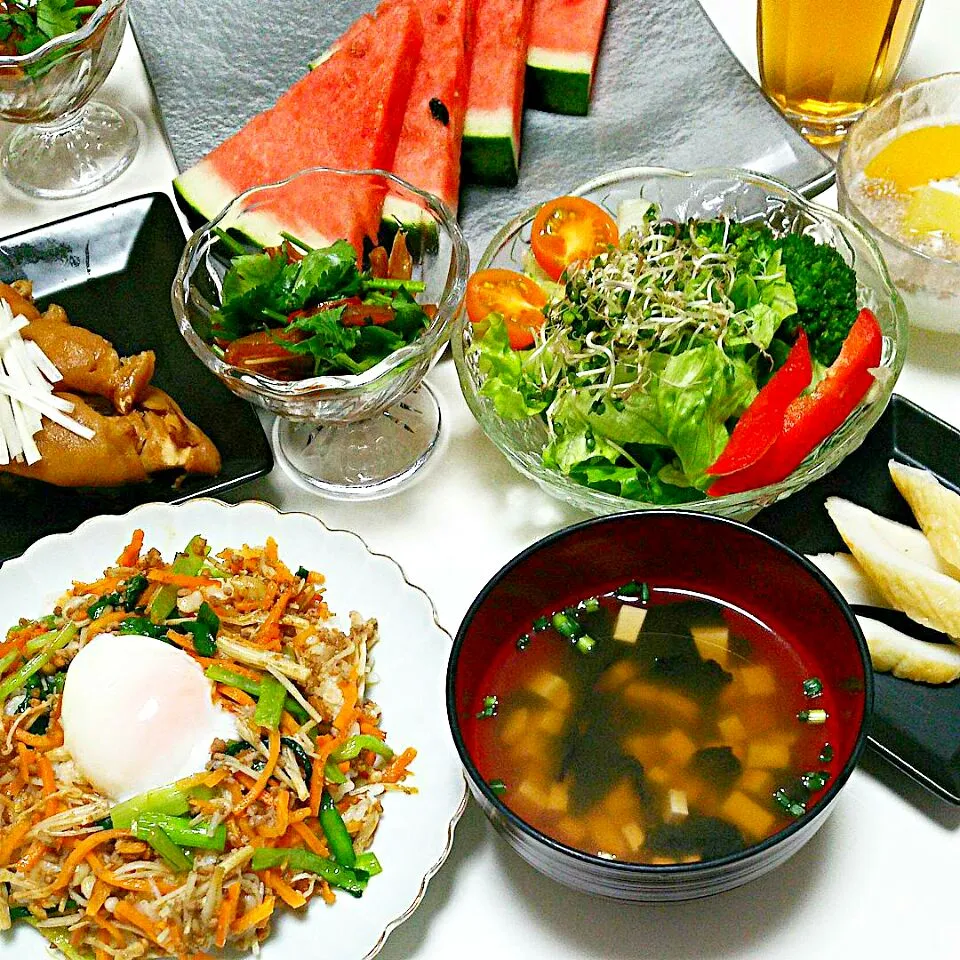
(824, 61)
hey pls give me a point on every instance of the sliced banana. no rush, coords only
(922, 592)
(908, 658)
(936, 508)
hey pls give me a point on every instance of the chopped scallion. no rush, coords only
(490, 705)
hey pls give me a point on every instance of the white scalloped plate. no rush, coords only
(416, 832)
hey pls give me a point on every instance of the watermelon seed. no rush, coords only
(439, 111)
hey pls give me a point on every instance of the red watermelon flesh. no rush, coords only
(428, 153)
(346, 113)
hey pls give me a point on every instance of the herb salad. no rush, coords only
(26, 25)
(643, 345)
(294, 311)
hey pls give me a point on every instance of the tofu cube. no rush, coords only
(629, 623)
(713, 642)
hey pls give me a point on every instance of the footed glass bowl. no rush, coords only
(740, 195)
(66, 146)
(353, 436)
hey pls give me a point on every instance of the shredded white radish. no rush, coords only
(27, 376)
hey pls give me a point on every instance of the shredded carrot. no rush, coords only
(398, 767)
(99, 954)
(180, 579)
(317, 777)
(80, 851)
(49, 741)
(215, 778)
(316, 578)
(128, 913)
(131, 552)
(45, 769)
(302, 814)
(99, 587)
(106, 620)
(327, 893)
(255, 917)
(125, 883)
(372, 730)
(311, 839)
(236, 695)
(282, 810)
(288, 725)
(111, 929)
(270, 628)
(228, 910)
(348, 711)
(26, 758)
(292, 898)
(14, 840)
(76, 938)
(26, 864)
(265, 774)
(98, 898)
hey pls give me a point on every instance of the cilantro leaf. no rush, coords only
(57, 17)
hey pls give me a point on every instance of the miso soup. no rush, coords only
(655, 726)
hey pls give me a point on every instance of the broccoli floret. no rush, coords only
(826, 292)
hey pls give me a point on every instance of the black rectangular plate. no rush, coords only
(915, 726)
(111, 269)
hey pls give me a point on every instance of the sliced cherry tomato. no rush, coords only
(569, 229)
(517, 298)
(260, 353)
(363, 315)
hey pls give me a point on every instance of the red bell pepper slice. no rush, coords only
(812, 417)
(762, 422)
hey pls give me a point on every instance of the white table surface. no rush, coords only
(878, 880)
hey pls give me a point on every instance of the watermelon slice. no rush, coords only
(428, 152)
(346, 113)
(491, 135)
(562, 56)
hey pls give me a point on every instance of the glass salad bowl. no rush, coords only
(349, 436)
(66, 146)
(741, 196)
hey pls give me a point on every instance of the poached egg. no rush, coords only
(139, 714)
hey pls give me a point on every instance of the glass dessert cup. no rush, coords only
(66, 146)
(740, 195)
(928, 282)
(352, 436)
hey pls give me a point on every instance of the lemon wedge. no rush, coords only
(934, 208)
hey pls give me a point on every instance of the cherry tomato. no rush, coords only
(569, 229)
(517, 298)
(260, 353)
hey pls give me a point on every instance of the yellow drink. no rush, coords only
(824, 61)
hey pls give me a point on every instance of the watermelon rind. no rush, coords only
(558, 82)
(401, 214)
(203, 194)
(490, 153)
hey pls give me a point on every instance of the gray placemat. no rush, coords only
(668, 91)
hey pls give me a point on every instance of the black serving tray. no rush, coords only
(915, 726)
(111, 269)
